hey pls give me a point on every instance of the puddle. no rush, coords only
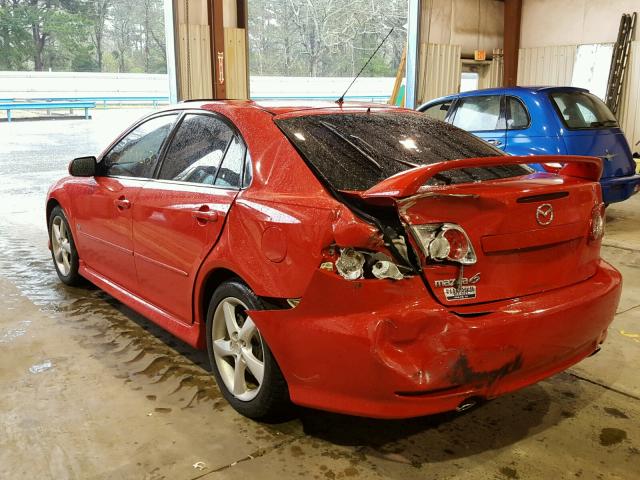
(139, 352)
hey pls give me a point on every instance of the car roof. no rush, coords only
(520, 90)
(281, 107)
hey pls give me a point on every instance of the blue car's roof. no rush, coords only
(507, 91)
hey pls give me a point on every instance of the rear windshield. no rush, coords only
(355, 151)
(581, 110)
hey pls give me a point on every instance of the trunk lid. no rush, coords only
(520, 250)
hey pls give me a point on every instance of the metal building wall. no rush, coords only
(629, 113)
(440, 70)
(546, 65)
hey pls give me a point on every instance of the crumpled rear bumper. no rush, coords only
(388, 349)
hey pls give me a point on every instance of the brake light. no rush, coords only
(445, 241)
(598, 216)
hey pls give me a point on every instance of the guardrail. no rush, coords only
(10, 106)
(330, 98)
(153, 100)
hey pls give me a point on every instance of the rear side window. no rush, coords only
(230, 173)
(438, 111)
(197, 150)
(582, 110)
(517, 116)
(477, 114)
(355, 151)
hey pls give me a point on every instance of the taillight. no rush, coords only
(445, 241)
(598, 216)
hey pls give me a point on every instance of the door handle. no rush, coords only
(494, 142)
(204, 215)
(122, 203)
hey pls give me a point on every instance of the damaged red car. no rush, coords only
(354, 258)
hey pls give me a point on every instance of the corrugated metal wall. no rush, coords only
(546, 65)
(491, 75)
(629, 113)
(440, 70)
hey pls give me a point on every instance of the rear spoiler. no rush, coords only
(405, 184)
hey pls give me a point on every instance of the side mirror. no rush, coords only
(83, 167)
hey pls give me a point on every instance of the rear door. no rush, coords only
(483, 116)
(179, 216)
(103, 210)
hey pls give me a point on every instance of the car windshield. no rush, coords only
(580, 110)
(355, 151)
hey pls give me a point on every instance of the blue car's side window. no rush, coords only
(478, 114)
(517, 115)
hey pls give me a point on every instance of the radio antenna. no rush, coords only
(340, 101)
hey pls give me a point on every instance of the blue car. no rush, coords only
(545, 121)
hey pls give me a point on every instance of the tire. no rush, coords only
(239, 356)
(63, 248)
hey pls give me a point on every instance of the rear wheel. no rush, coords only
(63, 248)
(242, 363)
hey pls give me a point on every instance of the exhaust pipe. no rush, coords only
(466, 404)
(597, 350)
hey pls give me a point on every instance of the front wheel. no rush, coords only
(242, 363)
(63, 248)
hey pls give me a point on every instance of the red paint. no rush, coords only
(372, 347)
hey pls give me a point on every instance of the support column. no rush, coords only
(216, 34)
(512, 20)
(413, 35)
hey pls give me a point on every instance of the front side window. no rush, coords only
(477, 114)
(137, 153)
(355, 151)
(439, 111)
(582, 110)
(197, 150)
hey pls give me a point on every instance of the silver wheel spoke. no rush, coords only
(247, 330)
(66, 246)
(229, 311)
(222, 348)
(65, 262)
(56, 232)
(239, 383)
(256, 367)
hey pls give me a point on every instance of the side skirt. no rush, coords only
(187, 333)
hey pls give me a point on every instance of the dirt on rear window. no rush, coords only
(355, 151)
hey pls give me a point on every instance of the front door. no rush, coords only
(482, 116)
(103, 212)
(178, 217)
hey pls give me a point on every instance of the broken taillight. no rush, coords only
(445, 241)
(598, 215)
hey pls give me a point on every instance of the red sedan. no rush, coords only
(354, 258)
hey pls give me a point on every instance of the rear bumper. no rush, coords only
(387, 349)
(618, 189)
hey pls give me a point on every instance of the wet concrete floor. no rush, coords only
(90, 389)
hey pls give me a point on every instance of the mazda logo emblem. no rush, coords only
(544, 214)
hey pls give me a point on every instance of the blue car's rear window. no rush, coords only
(582, 110)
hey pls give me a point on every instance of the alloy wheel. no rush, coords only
(61, 245)
(237, 348)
